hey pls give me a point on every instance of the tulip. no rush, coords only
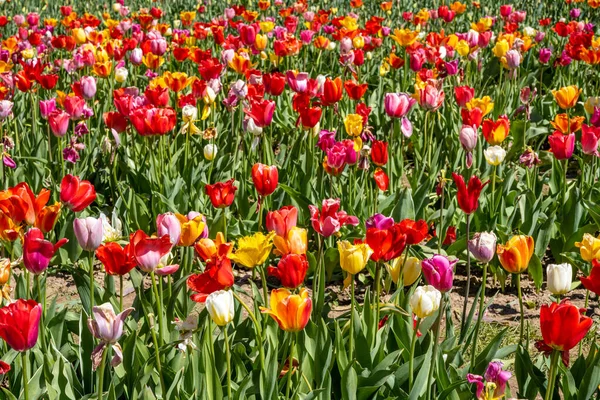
(496, 379)
(379, 153)
(495, 132)
(261, 112)
(439, 272)
(89, 232)
(379, 221)
(409, 270)
(430, 97)
(192, 226)
(590, 137)
(19, 324)
(329, 220)
(468, 137)
(47, 107)
(220, 307)
(425, 301)
(282, 221)
(217, 275)
(381, 179)
(88, 87)
(59, 122)
(149, 120)
(117, 260)
(295, 242)
(562, 146)
(565, 124)
(5, 109)
(468, 195)
(353, 124)
(494, 155)
(221, 194)
(353, 258)
(397, 105)
(415, 231)
(332, 91)
(567, 97)
(544, 55)
(516, 253)
(592, 282)
(37, 252)
(107, 327)
(265, 178)
(74, 106)
(290, 311)
(291, 270)
(463, 94)
(168, 224)
(589, 247)
(76, 194)
(559, 278)
(386, 243)
(483, 246)
(148, 251)
(210, 151)
(254, 250)
(121, 75)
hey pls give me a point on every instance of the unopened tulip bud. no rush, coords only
(89, 232)
(559, 278)
(220, 307)
(121, 75)
(483, 246)
(412, 270)
(494, 155)
(210, 151)
(425, 301)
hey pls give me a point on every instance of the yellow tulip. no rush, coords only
(261, 42)
(485, 104)
(404, 37)
(353, 124)
(353, 257)
(567, 97)
(254, 250)
(589, 247)
(412, 270)
(501, 47)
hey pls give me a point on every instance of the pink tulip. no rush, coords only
(168, 224)
(439, 272)
(329, 220)
(88, 86)
(590, 136)
(397, 105)
(37, 251)
(297, 82)
(430, 97)
(74, 106)
(108, 328)
(59, 122)
(89, 232)
(47, 107)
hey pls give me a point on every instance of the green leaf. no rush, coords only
(349, 383)
(535, 271)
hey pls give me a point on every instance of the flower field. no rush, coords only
(326, 199)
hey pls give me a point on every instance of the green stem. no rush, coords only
(480, 316)
(493, 194)
(224, 217)
(25, 375)
(158, 364)
(352, 300)
(436, 341)
(412, 356)
(161, 335)
(587, 300)
(468, 285)
(263, 277)
(100, 390)
(91, 272)
(38, 281)
(261, 200)
(228, 357)
(290, 366)
(552, 377)
(520, 295)
(377, 293)
(256, 326)
(120, 293)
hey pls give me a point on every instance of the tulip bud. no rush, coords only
(89, 232)
(425, 301)
(468, 137)
(220, 307)
(559, 278)
(210, 151)
(4, 271)
(88, 87)
(412, 269)
(439, 272)
(168, 224)
(483, 246)
(353, 258)
(121, 75)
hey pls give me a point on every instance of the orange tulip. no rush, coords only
(191, 229)
(290, 311)
(176, 81)
(567, 96)
(9, 231)
(103, 69)
(516, 253)
(567, 125)
(295, 242)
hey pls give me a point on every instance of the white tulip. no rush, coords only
(425, 301)
(494, 155)
(559, 278)
(220, 307)
(210, 151)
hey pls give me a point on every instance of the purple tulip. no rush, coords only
(483, 246)
(5, 108)
(89, 232)
(108, 328)
(379, 221)
(545, 55)
(439, 272)
(326, 140)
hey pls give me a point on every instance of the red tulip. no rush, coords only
(495, 132)
(158, 96)
(291, 270)
(116, 259)
(468, 196)
(221, 194)
(463, 94)
(261, 111)
(379, 153)
(116, 121)
(217, 275)
(332, 91)
(149, 120)
(355, 91)
(381, 179)
(592, 282)
(274, 83)
(19, 324)
(415, 231)
(265, 178)
(386, 244)
(149, 250)
(471, 117)
(76, 194)
(562, 146)
(310, 117)
(59, 122)
(74, 106)
(563, 326)
(37, 251)
(282, 220)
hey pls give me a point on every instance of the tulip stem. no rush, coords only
(120, 293)
(552, 377)
(412, 355)
(263, 278)
(25, 375)
(290, 366)
(224, 217)
(261, 205)
(256, 326)
(100, 390)
(161, 336)
(38, 282)
(468, 285)
(480, 316)
(520, 296)
(228, 357)
(377, 293)
(436, 341)
(352, 300)
(587, 300)
(91, 271)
